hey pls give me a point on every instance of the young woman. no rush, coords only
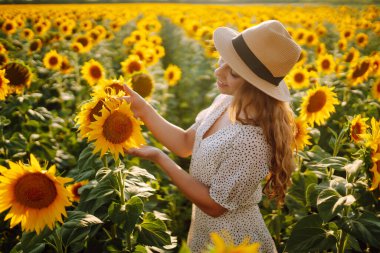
(244, 137)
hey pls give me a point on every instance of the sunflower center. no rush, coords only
(316, 102)
(117, 128)
(347, 34)
(17, 74)
(171, 75)
(360, 40)
(9, 27)
(134, 66)
(378, 87)
(310, 38)
(349, 57)
(35, 190)
(325, 64)
(3, 59)
(83, 41)
(33, 46)
(95, 72)
(142, 84)
(356, 129)
(96, 110)
(53, 61)
(75, 190)
(299, 77)
(361, 70)
(116, 87)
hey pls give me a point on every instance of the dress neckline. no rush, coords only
(215, 116)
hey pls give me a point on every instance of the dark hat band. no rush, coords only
(253, 62)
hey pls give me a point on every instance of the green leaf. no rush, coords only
(152, 232)
(365, 228)
(137, 171)
(79, 219)
(103, 189)
(134, 208)
(308, 235)
(327, 204)
(316, 153)
(32, 241)
(335, 162)
(140, 249)
(87, 160)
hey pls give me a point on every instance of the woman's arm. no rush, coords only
(195, 191)
(176, 139)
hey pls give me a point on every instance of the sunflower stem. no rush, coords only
(58, 242)
(105, 161)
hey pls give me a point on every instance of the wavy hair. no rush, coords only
(277, 122)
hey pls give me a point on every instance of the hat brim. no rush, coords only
(223, 43)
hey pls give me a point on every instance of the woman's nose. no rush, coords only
(219, 72)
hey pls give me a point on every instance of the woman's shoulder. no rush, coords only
(220, 99)
(250, 134)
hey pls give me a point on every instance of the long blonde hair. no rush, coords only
(277, 122)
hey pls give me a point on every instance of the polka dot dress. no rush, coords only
(232, 162)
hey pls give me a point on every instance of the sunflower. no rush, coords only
(160, 51)
(357, 128)
(318, 104)
(155, 39)
(143, 84)
(301, 137)
(376, 89)
(77, 47)
(138, 35)
(375, 65)
(66, 67)
(3, 59)
(172, 74)
(9, 26)
(86, 25)
(19, 76)
(35, 196)
(52, 60)
(298, 78)
(321, 49)
(93, 72)
(112, 87)
(3, 85)
(3, 49)
(342, 45)
(151, 57)
(311, 39)
(359, 71)
(35, 46)
(88, 112)
(86, 42)
(361, 39)
(347, 33)
(225, 244)
(74, 190)
(116, 129)
(375, 170)
(325, 63)
(132, 64)
(27, 34)
(352, 55)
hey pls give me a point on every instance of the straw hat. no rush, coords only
(262, 55)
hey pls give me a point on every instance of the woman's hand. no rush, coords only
(138, 103)
(146, 152)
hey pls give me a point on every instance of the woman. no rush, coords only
(245, 136)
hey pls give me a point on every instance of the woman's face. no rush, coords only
(227, 80)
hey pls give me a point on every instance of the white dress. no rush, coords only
(232, 162)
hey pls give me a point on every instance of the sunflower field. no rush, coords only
(66, 184)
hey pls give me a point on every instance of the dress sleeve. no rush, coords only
(245, 165)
